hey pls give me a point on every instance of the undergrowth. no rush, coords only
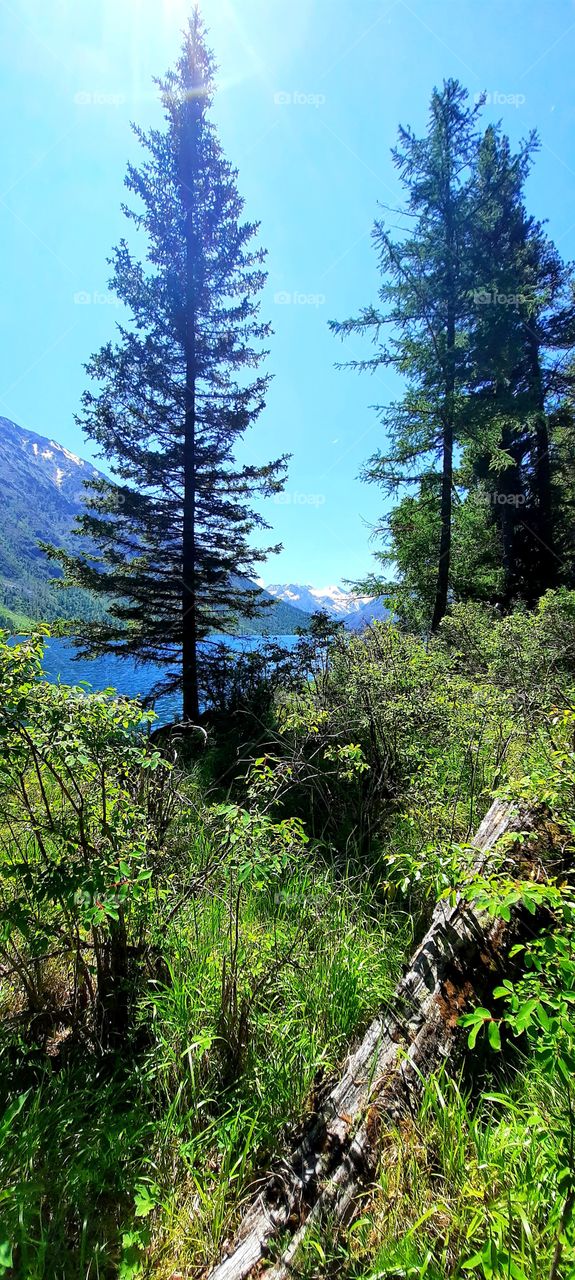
(189, 947)
(465, 1188)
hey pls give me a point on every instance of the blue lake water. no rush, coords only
(133, 680)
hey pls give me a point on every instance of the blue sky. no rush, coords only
(311, 93)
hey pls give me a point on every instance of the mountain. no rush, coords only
(343, 606)
(278, 618)
(373, 611)
(42, 487)
(332, 600)
(42, 492)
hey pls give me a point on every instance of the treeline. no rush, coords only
(476, 313)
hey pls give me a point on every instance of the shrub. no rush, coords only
(83, 804)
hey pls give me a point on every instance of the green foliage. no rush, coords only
(81, 797)
(228, 931)
(538, 1007)
(71, 1163)
(474, 310)
(208, 945)
(392, 749)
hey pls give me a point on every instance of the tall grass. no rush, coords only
(140, 1167)
(465, 1189)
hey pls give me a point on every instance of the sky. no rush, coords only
(310, 96)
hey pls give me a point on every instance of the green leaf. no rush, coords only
(473, 1034)
(10, 1115)
(6, 1256)
(494, 1035)
(524, 1016)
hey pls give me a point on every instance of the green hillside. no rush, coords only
(43, 492)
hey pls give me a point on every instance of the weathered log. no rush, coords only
(338, 1154)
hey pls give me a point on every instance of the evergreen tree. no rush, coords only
(176, 392)
(426, 301)
(482, 317)
(523, 320)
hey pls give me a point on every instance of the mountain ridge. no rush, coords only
(43, 486)
(354, 610)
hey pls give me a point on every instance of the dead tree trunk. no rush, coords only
(338, 1155)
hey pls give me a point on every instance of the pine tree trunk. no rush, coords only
(507, 529)
(189, 602)
(507, 492)
(442, 587)
(541, 524)
(189, 598)
(443, 564)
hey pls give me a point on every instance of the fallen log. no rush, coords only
(338, 1154)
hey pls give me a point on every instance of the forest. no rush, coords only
(288, 984)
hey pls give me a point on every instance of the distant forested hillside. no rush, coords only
(42, 493)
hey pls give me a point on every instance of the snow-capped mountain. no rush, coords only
(43, 492)
(373, 611)
(332, 600)
(31, 462)
(343, 606)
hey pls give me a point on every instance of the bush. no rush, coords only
(83, 806)
(390, 747)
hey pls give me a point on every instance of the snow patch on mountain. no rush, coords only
(51, 462)
(338, 604)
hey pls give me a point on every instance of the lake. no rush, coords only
(133, 680)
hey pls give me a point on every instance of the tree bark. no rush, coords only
(443, 564)
(508, 493)
(542, 518)
(188, 168)
(338, 1155)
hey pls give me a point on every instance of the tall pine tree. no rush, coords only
(481, 315)
(523, 322)
(425, 297)
(176, 392)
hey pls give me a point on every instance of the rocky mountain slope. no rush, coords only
(343, 606)
(42, 486)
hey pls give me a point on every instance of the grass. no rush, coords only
(141, 1169)
(70, 1165)
(15, 623)
(254, 958)
(464, 1189)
